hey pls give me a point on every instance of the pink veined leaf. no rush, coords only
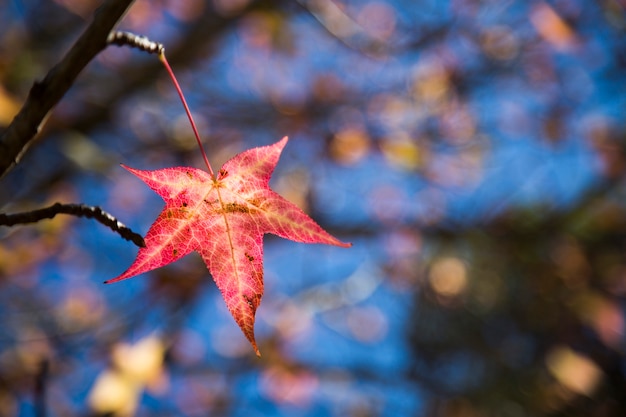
(224, 219)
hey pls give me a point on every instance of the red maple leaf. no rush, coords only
(224, 219)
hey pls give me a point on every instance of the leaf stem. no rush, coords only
(182, 99)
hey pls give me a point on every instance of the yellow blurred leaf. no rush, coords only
(141, 362)
(113, 393)
(403, 152)
(573, 370)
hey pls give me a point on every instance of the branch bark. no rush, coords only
(45, 94)
(79, 210)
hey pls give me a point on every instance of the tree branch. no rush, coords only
(80, 210)
(142, 43)
(44, 95)
(41, 380)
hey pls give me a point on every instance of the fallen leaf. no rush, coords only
(224, 219)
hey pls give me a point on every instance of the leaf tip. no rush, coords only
(249, 333)
(116, 279)
(336, 242)
(126, 167)
(280, 145)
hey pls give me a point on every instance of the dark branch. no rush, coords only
(79, 210)
(45, 94)
(41, 380)
(199, 41)
(120, 38)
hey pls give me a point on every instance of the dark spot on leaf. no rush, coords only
(184, 204)
(250, 257)
(252, 301)
(223, 173)
(175, 252)
(236, 208)
(189, 174)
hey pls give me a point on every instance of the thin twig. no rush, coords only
(120, 38)
(45, 94)
(80, 210)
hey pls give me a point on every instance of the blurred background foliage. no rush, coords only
(473, 152)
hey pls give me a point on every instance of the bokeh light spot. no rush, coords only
(350, 145)
(448, 276)
(115, 394)
(378, 19)
(573, 370)
(552, 27)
